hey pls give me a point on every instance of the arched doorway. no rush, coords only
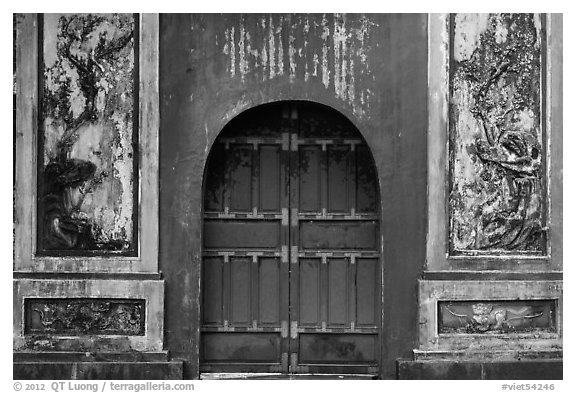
(291, 272)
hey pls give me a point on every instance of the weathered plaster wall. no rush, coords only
(371, 68)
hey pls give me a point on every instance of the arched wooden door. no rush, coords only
(291, 273)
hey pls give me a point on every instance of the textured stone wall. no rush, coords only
(497, 141)
(87, 171)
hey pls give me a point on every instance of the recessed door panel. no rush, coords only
(367, 291)
(241, 347)
(242, 233)
(338, 177)
(239, 172)
(338, 235)
(213, 280)
(291, 266)
(309, 289)
(338, 348)
(269, 176)
(269, 291)
(240, 280)
(338, 292)
(366, 184)
(309, 177)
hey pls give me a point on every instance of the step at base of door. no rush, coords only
(217, 376)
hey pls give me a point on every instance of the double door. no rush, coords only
(291, 272)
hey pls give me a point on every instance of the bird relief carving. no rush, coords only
(489, 318)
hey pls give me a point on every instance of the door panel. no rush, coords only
(310, 159)
(242, 233)
(213, 280)
(338, 292)
(270, 188)
(291, 246)
(245, 237)
(338, 348)
(338, 177)
(239, 169)
(240, 277)
(268, 292)
(335, 234)
(241, 347)
(309, 289)
(366, 187)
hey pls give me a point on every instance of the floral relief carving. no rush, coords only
(497, 154)
(87, 113)
(85, 316)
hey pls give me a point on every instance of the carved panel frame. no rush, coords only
(151, 291)
(496, 344)
(437, 251)
(26, 141)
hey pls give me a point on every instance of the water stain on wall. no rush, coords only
(331, 48)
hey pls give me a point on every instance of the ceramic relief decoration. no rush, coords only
(497, 143)
(489, 317)
(85, 316)
(88, 134)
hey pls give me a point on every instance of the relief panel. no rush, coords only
(87, 160)
(480, 319)
(84, 316)
(489, 317)
(497, 139)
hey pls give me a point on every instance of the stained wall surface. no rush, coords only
(371, 68)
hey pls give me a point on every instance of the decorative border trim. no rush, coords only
(437, 257)
(151, 291)
(431, 292)
(26, 160)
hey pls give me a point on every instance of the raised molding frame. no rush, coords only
(25, 259)
(152, 291)
(434, 345)
(437, 255)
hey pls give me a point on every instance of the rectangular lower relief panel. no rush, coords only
(505, 319)
(486, 317)
(84, 316)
